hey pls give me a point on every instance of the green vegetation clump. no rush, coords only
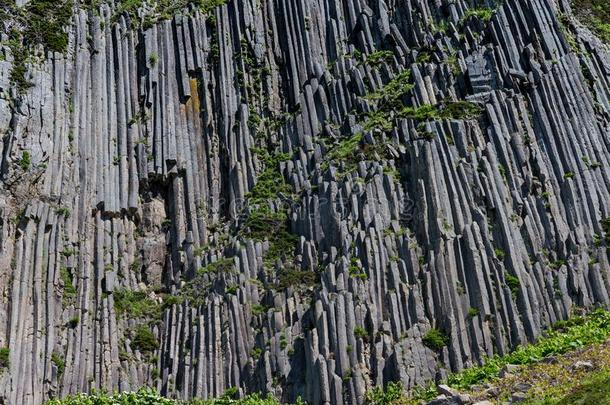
(376, 58)
(472, 312)
(593, 390)
(153, 59)
(136, 304)
(45, 22)
(67, 279)
(435, 339)
(25, 161)
(578, 332)
(144, 340)
(596, 15)
(59, 362)
(163, 10)
(360, 332)
(484, 13)
(292, 277)
(63, 211)
(4, 357)
(226, 265)
(389, 96)
(512, 282)
(147, 396)
(392, 395)
(451, 110)
(262, 222)
(41, 23)
(605, 223)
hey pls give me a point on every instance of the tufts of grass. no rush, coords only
(144, 340)
(135, 304)
(595, 14)
(59, 362)
(484, 14)
(26, 161)
(435, 339)
(579, 332)
(4, 357)
(149, 396)
(391, 395)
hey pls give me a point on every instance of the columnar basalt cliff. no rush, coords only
(302, 197)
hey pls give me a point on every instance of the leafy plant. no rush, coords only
(135, 304)
(360, 332)
(69, 289)
(512, 282)
(435, 339)
(484, 13)
(596, 15)
(25, 160)
(144, 340)
(565, 336)
(4, 357)
(59, 362)
(594, 328)
(392, 395)
(153, 59)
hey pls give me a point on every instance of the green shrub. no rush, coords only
(135, 304)
(258, 309)
(512, 282)
(153, 59)
(393, 394)
(144, 340)
(59, 363)
(73, 322)
(291, 277)
(485, 14)
(472, 312)
(4, 357)
(435, 339)
(256, 352)
(376, 58)
(170, 300)
(25, 161)
(63, 211)
(360, 332)
(67, 280)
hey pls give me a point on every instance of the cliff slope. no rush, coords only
(302, 197)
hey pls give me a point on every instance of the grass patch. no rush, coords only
(68, 282)
(595, 14)
(26, 161)
(435, 339)
(483, 13)
(594, 390)
(4, 357)
(149, 396)
(144, 340)
(136, 304)
(59, 362)
(163, 9)
(392, 394)
(566, 336)
(594, 328)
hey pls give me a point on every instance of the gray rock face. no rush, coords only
(125, 169)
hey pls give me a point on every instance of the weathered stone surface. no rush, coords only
(143, 144)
